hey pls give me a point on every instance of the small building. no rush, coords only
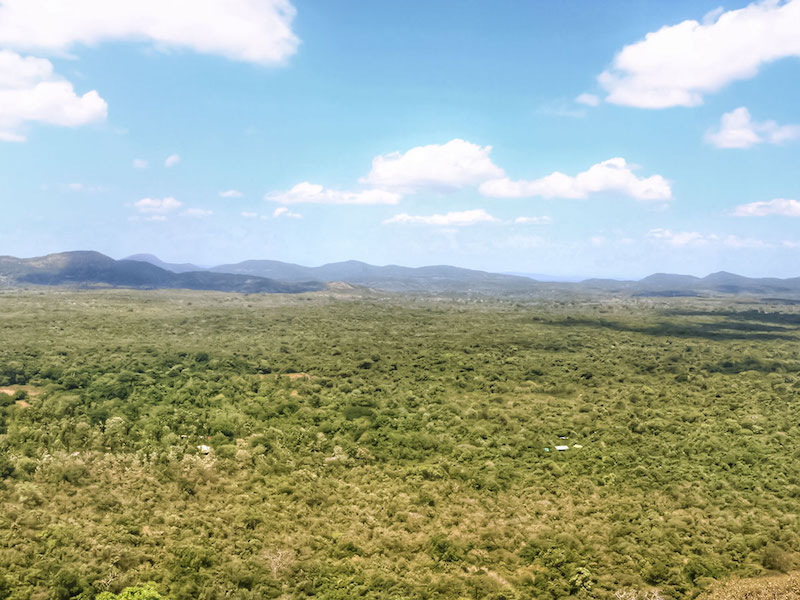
(562, 448)
(204, 448)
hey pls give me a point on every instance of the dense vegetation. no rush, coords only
(393, 448)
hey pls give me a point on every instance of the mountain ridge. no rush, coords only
(87, 268)
(147, 271)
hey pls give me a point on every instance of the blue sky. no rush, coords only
(569, 138)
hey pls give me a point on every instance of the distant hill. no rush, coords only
(389, 278)
(439, 278)
(666, 284)
(174, 267)
(256, 276)
(548, 278)
(92, 269)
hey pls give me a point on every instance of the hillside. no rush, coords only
(92, 269)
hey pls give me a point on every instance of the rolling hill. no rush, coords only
(147, 271)
(390, 278)
(92, 269)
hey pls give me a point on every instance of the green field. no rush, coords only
(387, 447)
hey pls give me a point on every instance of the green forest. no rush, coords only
(339, 445)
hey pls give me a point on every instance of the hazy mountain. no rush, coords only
(174, 267)
(548, 278)
(95, 269)
(391, 278)
(256, 276)
(666, 284)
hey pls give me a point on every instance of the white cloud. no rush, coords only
(734, 241)
(282, 211)
(310, 193)
(231, 194)
(693, 238)
(250, 215)
(678, 64)
(738, 130)
(588, 99)
(451, 219)
(75, 187)
(31, 92)
(678, 238)
(256, 31)
(158, 206)
(779, 206)
(172, 160)
(613, 175)
(140, 163)
(533, 220)
(442, 167)
(197, 212)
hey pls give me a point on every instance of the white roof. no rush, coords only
(562, 448)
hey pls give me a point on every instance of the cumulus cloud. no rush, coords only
(282, 211)
(588, 99)
(231, 194)
(311, 193)
(140, 163)
(30, 92)
(451, 219)
(738, 130)
(613, 175)
(677, 238)
(533, 220)
(442, 167)
(158, 206)
(172, 160)
(779, 206)
(257, 31)
(677, 65)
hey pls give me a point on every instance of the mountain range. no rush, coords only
(94, 269)
(145, 271)
(389, 278)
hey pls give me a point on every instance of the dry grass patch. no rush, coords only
(778, 587)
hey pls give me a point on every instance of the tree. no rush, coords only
(146, 592)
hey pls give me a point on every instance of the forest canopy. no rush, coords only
(196, 445)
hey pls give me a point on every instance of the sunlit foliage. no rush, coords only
(225, 446)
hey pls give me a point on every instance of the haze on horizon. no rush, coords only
(569, 139)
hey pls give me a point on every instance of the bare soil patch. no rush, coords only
(13, 389)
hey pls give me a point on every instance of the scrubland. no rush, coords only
(340, 446)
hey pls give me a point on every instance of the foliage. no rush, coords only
(391, 447)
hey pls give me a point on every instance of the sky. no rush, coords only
(571, 138)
